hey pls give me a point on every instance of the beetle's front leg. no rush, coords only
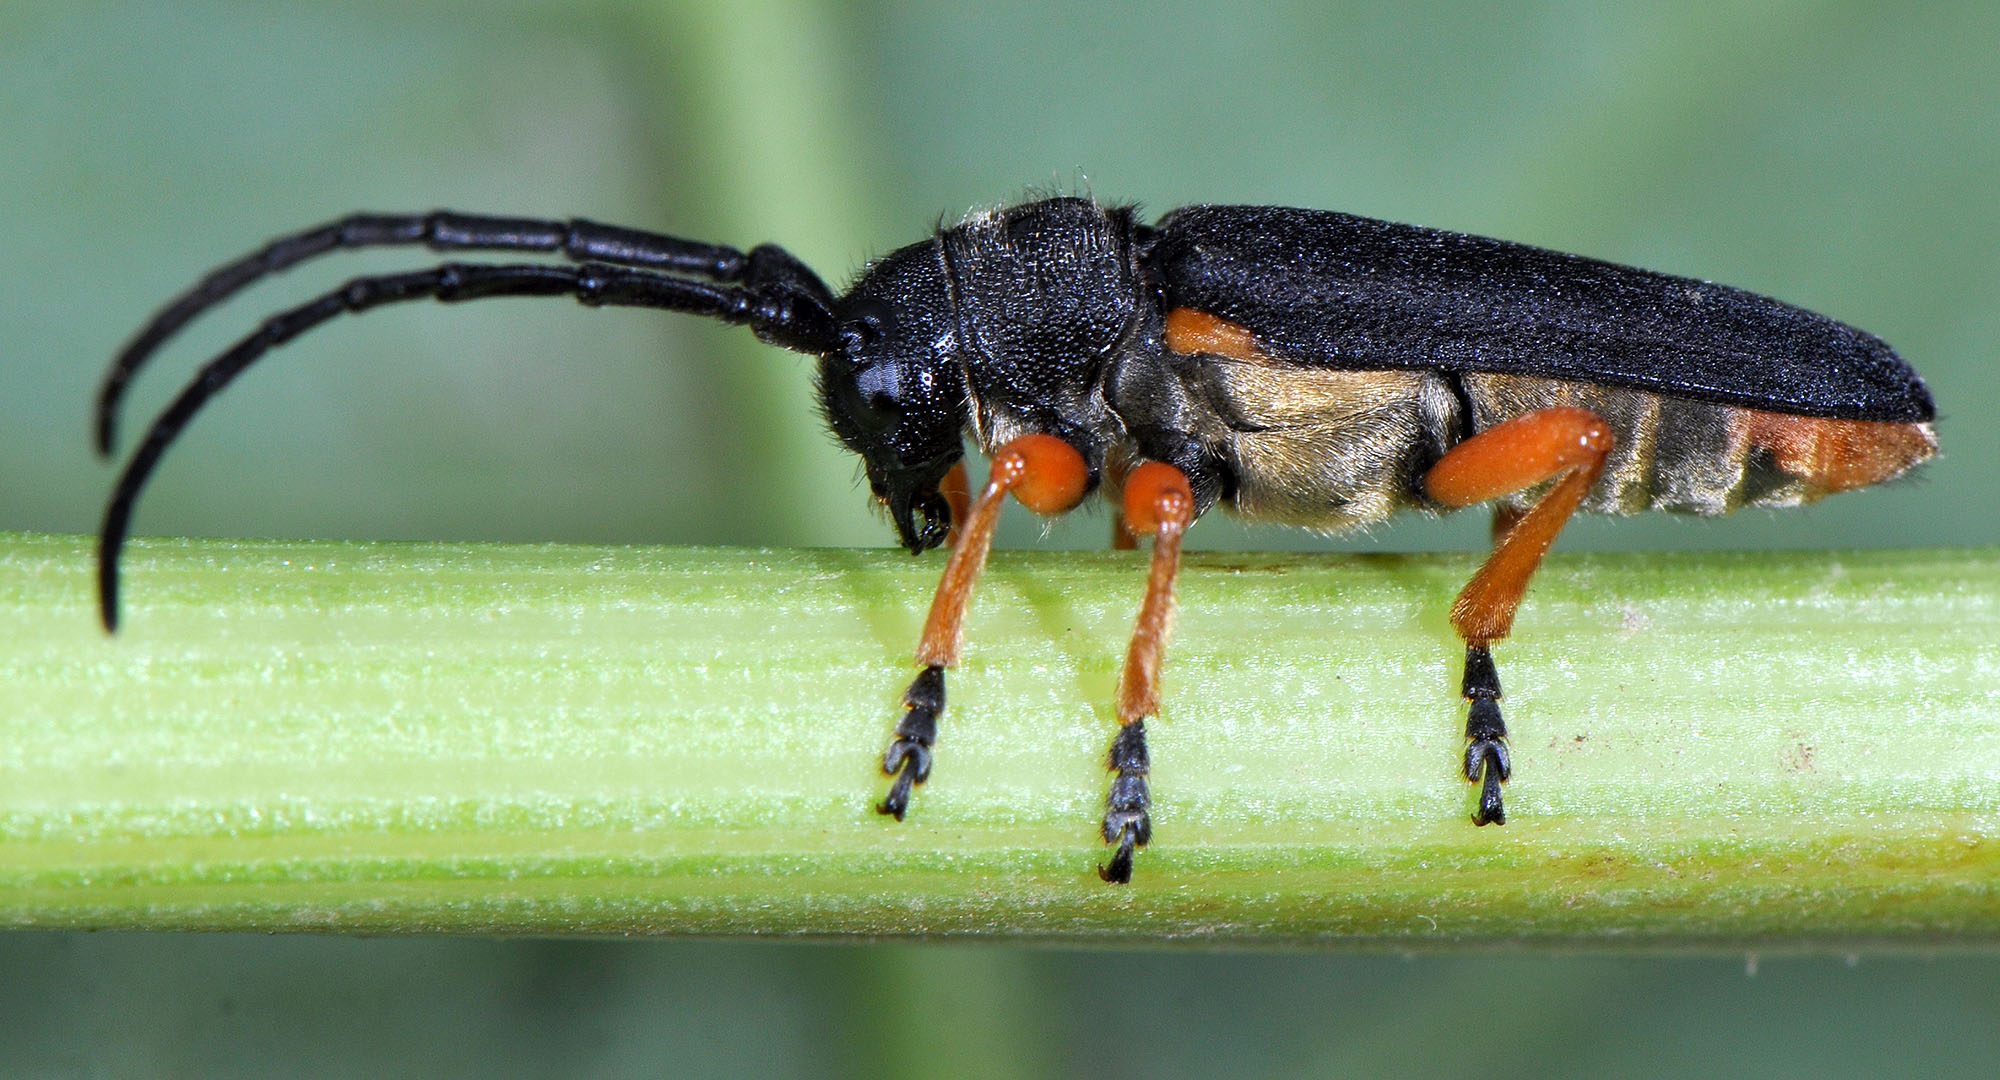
(1159, 501)
(1563, 443)
(1048, 476)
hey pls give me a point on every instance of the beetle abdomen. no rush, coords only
(1327, 449)
(1698, 457)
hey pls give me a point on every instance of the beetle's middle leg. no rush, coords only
(1159, 501)
(1048, 476)
(1565, 444)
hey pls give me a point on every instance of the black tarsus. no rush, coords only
(1126, 822)
(1486, 760)
(442, 230)
(779, 306)
(909, 755)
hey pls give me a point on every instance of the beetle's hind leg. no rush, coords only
(1567, 445)
(1048, 476)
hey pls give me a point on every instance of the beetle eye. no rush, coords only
(870, 404)
(882, 410)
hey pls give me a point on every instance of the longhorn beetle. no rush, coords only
(1297, 366)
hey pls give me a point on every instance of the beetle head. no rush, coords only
(893, 392)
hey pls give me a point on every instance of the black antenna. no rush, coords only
(767, 290)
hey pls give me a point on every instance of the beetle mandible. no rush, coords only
(1296, 366)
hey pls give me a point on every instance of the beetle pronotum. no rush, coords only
(1297, 366)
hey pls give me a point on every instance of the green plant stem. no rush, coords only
(482, 739)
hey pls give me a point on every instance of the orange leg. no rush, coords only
(1047, 476)
(1504, 520)
(1566, 444)
(1121, 537)
(1115, 473)
(1159, 501)
(957, 492)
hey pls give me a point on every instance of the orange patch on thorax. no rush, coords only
(1191, 332)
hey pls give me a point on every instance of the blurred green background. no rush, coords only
(1843, 156)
